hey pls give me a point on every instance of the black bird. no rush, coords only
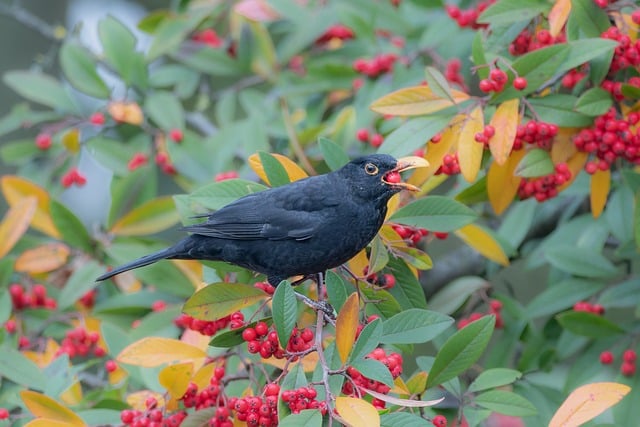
(299, 229)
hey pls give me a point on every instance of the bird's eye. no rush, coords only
(371, 169)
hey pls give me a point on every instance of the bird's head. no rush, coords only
(377, 176)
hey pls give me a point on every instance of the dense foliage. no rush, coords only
(527, 111)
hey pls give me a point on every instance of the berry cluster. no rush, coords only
(380, 64)
(544, 187)
(392, 361)
(37, 298)
(374, 140)
(79, 342)
(414, 235)
(468, 17)
(628, 366)
(43, 141)
(152, 416)
(210, 327)
(528, 42)
(498, 80)
(73, 176)
(266, 287)
(495, 308)
(176, 135)
(450, 165)
(588, 307)
(484, 136)
(439, 421)
(386, 280)
(208, 37)
(608, 139)
(572, 78)
(337, 31)
(163, 160)
(209, 396)
(138, 159)
(264, 340)
(223, 176)
(452, 73)
(256, 411)
(88, 300)
(626, 54)
(535, 132)
(303, 398)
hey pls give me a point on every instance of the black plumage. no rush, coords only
(299, 229)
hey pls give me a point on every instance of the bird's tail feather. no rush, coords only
(140, 262)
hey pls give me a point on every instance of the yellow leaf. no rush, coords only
(156, 351)
(43, 258)
(587, 402)
(71, 140)
(558, 16)
(417, 384)
(483, 242)
(43, 358)
(203, 375)
(359, 263)
(502, 183)
(563, 147)
(436, 151)
(294, 171)
(357, 412)
(126, 112)
(72, 395)
(308, 363)
(150, 217)
(15, 223)
(137, 399)
(43, 406)
(415, 101)
(46, 422)
(469, 150)
(176, 378)
(117, 376)
(347, 326)
(16, 188)
(600, 185)
(392, 205)
(399, 387)
(505, 122)
(576, 163)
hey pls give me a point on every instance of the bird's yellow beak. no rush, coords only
(405, 163)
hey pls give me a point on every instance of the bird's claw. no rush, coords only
(323, 306)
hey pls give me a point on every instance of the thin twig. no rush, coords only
(294, 142)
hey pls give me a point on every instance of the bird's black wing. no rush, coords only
(290, 212)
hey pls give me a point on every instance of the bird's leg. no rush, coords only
(322, 306)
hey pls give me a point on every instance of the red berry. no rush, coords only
(498, 76)
(136, 161)
(376, 140)
(4, 413)
(519, 83)
(249, 334)
(486, 85)
(176, 135)
(591, 167)
(629, 356)
(635, 17)
(606, 358)
(158, 305)
(628, 369)
(489, 131)
(362, 135)
(439, 421)
(261, 329)
(495, 305)
(392, 177)
(43, 141)
(110, 366)
(440, 235)
(272, 389)
(97, 119)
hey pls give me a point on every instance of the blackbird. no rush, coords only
(299, 229)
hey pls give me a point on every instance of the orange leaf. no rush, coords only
(600, 185)
(73, 395)
(126, 112)
(469, 150)
(151, 217)
(71, 140)
(576, 163)
(294, 171)
(15, 223)
(156, 351)
(358, 263)
(43, 258)
(16, 188)
(415, 101)
(117, 376)
(437, 151)
(563, 147)
(176, 378)
(505, 122)
(483, 242)
(347, 326)
(587, 402)
(502, 183)
(43, 406)
(558, 16)
(357, 412)
(308, 363)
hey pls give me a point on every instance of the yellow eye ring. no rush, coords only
(371, 169)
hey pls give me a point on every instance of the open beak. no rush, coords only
(405, 163)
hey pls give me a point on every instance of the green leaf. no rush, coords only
(276, 173)
(170, 34)
(413, 134)
(535, 163)
(478, 55)
(72, 229)
(461, 351)
(450, 298)
(589, 19)
(165, 110)
(305, 418)
(405, 419)
(560, 109)
(285, 311)
(588, 324)
(509, 11)
(438, 83)
(367, 341)
(475, 193)
(408, 290)
(151, 217)
(40, 88)
(414, 326)
(414, 257)
(624, 294)
(386, 304)
(221, 299)
(594, 102)
(492, 378)
(379, 257)
(80, 68)
(506, 402)
(584, 262)
(374, 370)
(334, 155)
(337, 289)
(119, 47)
(619, 214)
(214, 62)
(561, 296)
(81, 281)
(219, 194)
(630, 91)
(17, 368)
(435, 213)
(636, 221)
